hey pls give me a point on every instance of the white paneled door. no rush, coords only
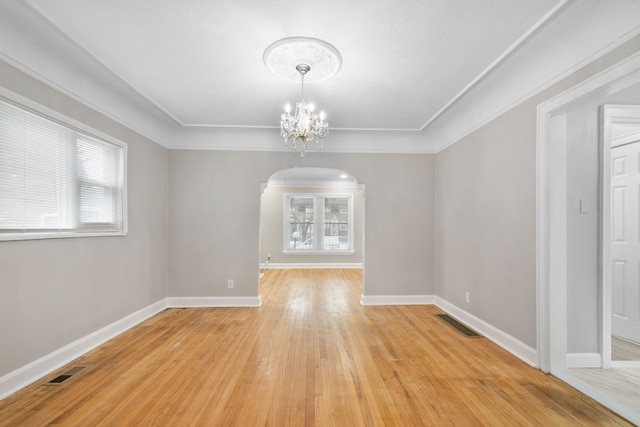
(625, 236)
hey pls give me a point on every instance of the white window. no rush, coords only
(57, 181)
(316, 223)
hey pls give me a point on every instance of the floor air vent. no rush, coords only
(463, 329)
(62, 378)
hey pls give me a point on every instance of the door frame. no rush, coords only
(551, 211)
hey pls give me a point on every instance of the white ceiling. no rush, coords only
(407, 65)
(201, 61)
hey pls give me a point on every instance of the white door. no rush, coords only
(625, 245)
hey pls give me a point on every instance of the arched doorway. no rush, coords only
(311, 217)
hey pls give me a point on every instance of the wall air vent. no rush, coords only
(64, 377)
(463, 329)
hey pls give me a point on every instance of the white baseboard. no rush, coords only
(286, 265)
(184, 302)
(504, 340)
(625, 364)
(397, 299)
(584, 360)
(21, 377)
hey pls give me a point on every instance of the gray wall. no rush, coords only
(272, 233)
(55, 291)
(582, 230)
(486, 213)
(485, 224)
(214, 217)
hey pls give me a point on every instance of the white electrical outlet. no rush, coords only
(467, 297)
(230, 283)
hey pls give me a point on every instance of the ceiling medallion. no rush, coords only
(283, 56)
(292, 58)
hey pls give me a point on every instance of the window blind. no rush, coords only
(56, 180)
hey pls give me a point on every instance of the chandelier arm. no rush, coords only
(302, 127)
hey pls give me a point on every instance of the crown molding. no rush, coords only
(539, 64)
(31, 44)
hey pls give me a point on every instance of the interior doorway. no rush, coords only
(621, 235)
(619, 84)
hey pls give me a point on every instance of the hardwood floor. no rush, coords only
(310, 356)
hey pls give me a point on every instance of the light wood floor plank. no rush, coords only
(624, 350)
(310, 356)
(621, 383)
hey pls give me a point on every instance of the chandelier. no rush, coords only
(304, 126)
(293, 58)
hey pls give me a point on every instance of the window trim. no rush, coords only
(318, 223)
(33, 107)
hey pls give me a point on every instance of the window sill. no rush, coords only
(316, 252)
(64, 235)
